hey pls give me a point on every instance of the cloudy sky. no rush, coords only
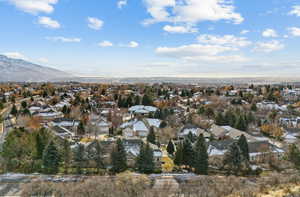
(144, 38)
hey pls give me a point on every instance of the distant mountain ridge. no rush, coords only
(18, 70)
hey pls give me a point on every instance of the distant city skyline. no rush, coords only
(148, 38)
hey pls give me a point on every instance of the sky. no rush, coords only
(155, 38)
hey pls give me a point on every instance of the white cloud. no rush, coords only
(269, 33)
(48, 22)
(191, 11)
(268, 47)
(218, 59)
(35, 6)
(244, 32)
(63, 39)
(133, 44)
(294, 31)
(193, 50)
(95, 23)
(15, 55)
(105, 44)
(121, 3)
(227, 40)
(179, 29)
(295, 10)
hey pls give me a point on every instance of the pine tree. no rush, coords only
(51, 159)
(201, 110)
(253, 107)
(188, 153)
(24, 104)
(240, 123)
(98, 156)
(80, 128)
(137, 100)
(129, 101)
(220, 120)
(147, 100)
(179, 155)
(14, 111)
(145, 160)
(118, 158)
(151, 136)
(243, 144)
(201, 156)
(170, 147)
(66, 156)
(235, 159)
(230, 118)
(40, 146)
(191, 137)
(79, 158)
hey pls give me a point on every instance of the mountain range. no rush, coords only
(18, 70)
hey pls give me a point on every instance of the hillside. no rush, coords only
(18, 70)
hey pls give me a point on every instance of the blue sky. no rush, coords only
(144, 38)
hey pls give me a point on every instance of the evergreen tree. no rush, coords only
(188, 153)
(51, 159)
(163, 124)
(64, 110)
(191, 137)
(14, 111)
(235, 159)
(253, 107)
(220, 120)
(145, 160)
(79, 158)
(129, 101)
(151, 136)
(201, 110)
(80, 128)
(209, 112)
(24, 104)
(293, 155)
(170, 147)
(230, 118)
(97, 156)
(3, 99)
(147, 100)
(137, 100)
(241, 123)
(66, 156)
(179, 155)
(118, 158)
(243, 144)
(40, 146)
(201, 156)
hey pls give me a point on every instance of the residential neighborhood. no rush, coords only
(148, 128)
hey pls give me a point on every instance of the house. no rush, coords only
(132, 148)
(257, 149)
(65, 122)
(142, 109)
(48, 115)
(193, 129)
(139, 127)
(62, 132)
(270, 105)
(217, 132)
(289, 122)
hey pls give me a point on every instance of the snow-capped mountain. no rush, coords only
(18, 70)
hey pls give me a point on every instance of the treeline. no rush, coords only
(233, 117)
(38, 151)
(194, 156)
